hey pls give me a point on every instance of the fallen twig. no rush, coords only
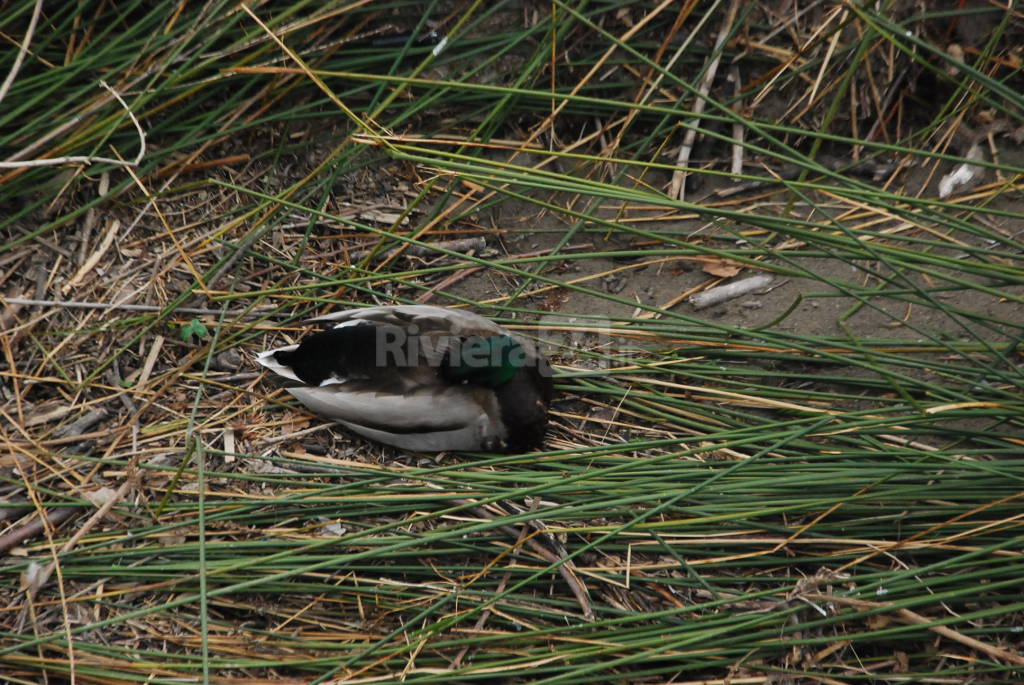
(730, 291)
(51, 518)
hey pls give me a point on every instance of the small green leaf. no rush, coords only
(125, 383)
(195, 328)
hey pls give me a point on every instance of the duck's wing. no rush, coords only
(382, 355)
(439, 326)
(421, 318)
(268, 358)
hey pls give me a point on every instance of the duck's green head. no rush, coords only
(490, 362)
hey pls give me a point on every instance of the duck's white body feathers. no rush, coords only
(374, 415)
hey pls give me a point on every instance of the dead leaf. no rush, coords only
(878, 621)
(171, 540)
(723, 268)
(964, 176)
(33, 577)
(100, 497)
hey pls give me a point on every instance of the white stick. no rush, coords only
(729, 291)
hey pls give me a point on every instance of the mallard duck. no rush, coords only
(421, 378)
